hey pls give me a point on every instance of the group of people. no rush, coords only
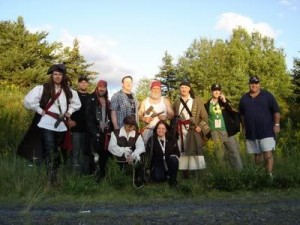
(90, 128)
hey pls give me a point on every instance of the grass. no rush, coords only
(28, 185)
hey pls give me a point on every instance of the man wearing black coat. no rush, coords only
(224, 123)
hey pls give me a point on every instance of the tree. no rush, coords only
(142, 90)
(24, 57)
(296, 80)
(232, 62)
(167, 75)
(75, 63)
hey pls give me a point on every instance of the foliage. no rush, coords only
(167, 76)
(25, 57)
(75, 63)
(14, 119)
(231, 63)
(143, 89)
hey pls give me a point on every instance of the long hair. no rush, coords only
(65, 85)
(168, 127)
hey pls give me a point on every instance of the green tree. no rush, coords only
(167, 76)
(296, 79)
(75, 63)
(142, 90)
(232, 62)
(24, 57)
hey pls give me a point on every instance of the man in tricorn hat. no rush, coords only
(192, 127)
(53, 103)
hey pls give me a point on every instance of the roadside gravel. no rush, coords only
(204, 211)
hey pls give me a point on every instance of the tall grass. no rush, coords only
(29, 184)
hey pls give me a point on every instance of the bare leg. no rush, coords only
(268, 157)
(258, 158)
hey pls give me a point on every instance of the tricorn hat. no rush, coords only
(57, 67)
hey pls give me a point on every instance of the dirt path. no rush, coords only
(228, 211)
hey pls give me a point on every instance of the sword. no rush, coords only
(59, 119)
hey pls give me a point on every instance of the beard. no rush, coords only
(101, 93)
(155, 95)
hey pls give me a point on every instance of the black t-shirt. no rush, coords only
(132, 103)
(79, 116)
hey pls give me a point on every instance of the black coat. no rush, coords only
(231, 117)
(155, 153)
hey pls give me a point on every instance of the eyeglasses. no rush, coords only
(254, 82)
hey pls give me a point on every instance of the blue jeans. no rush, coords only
(51, 142)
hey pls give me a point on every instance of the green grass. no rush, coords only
(20, 183)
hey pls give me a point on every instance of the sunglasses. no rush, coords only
(254, 82)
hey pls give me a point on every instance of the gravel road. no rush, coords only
(210, 211)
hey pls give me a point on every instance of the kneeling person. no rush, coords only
(163, 154)
(128, 146)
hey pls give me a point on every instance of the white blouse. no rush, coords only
(32, 102)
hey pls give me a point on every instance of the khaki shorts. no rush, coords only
(260, 146)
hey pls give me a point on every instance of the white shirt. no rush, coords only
(115, 149)
(157, 107)
(32, 102)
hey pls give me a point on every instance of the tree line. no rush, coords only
(25, 58)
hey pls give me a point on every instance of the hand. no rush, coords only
(222, 98)
(71, 123)
(276, 129)
(147, 119)
(129, 159)
(198, 129)
(127, 151)
(162, 117)
(68, 115)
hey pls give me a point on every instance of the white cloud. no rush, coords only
(285, 2)
(45, 27)
(290, 4)
(229, 21)
(98, 50)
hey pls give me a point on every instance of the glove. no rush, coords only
(127, 151)
(136, 157)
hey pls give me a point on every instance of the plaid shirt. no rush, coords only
(123, 107)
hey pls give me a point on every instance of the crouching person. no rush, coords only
(163, 154)
(128, 146)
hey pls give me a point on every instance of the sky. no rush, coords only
(124, 37)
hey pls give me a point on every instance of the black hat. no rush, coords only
(57, 67)
(254, 79)
(82, 78)
(129, 120)
(185, 83)
(215, 87)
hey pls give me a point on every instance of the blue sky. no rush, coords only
(130, 37)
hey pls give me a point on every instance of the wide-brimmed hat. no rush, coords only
(57, 67)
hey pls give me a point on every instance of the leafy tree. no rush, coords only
(232, 62)
(295, 99)
(75, 63)
(142, 90)
(167, 75)
(24, 57)
(296, 79)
